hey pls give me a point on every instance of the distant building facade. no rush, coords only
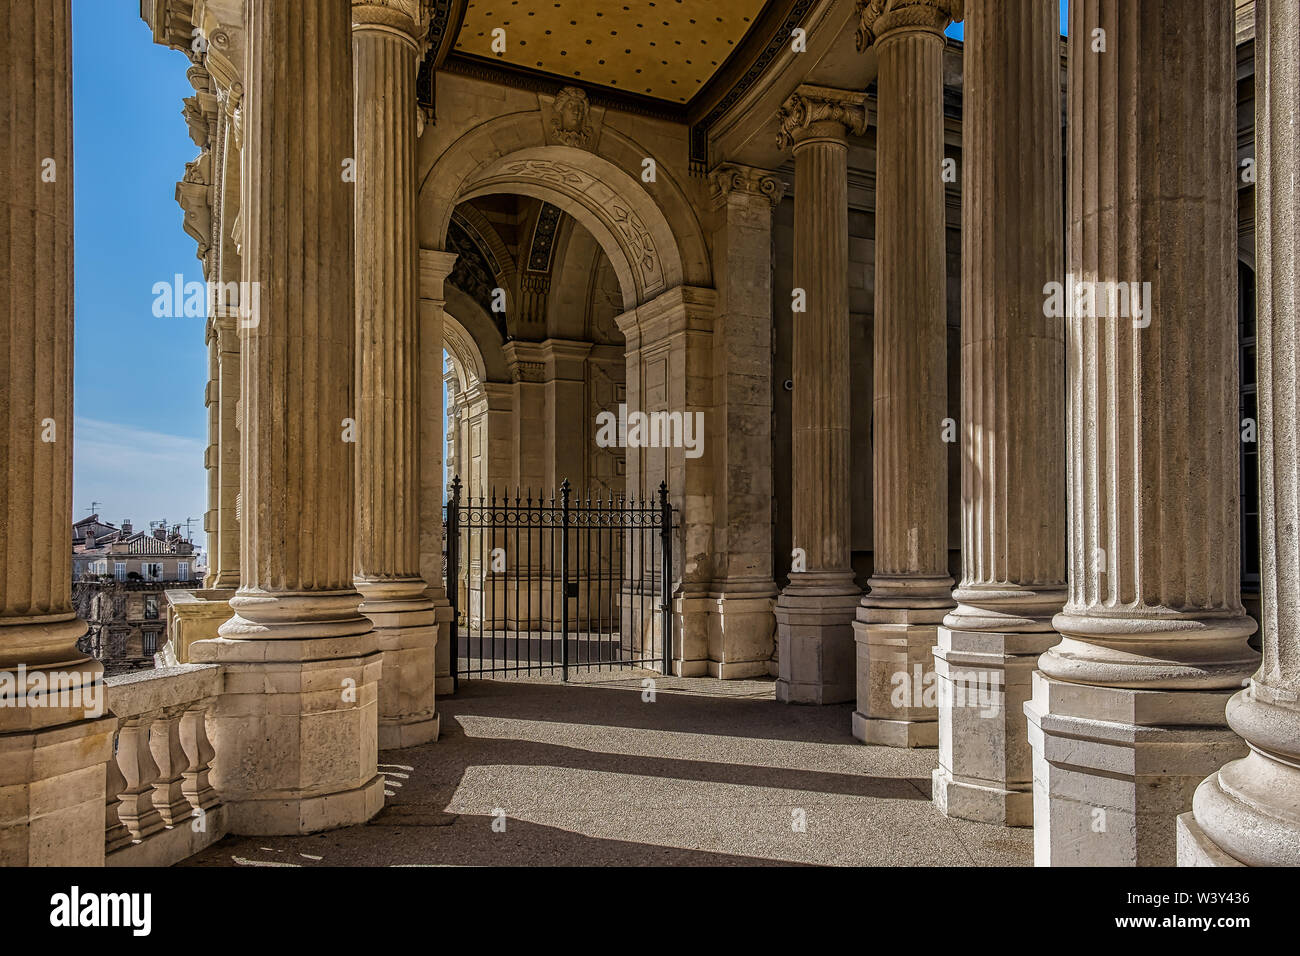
(119, 576)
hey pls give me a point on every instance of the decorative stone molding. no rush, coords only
(811, 106)
(878, 17)
(732, 177)
(571, 118)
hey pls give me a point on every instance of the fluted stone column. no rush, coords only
(815, 611)
(1126, 716)
(223, 561)
(434, 266)
(910, 588)
(1248, 812)
(1012, 412)
(296, 730)
(743, 595)
(388, 370)
(53, 752)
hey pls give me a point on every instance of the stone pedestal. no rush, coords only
(1248, 812)
(909, 590)
(387, 373)
(814, 613)
(296, 732)
(1012, 414)
(1127, 708)
(53, 746)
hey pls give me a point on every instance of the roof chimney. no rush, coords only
(126, 526)
(89, 539)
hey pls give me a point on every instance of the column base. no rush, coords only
(296, 732)
(742, 628)
(692, 614)
(1197, 849)
(1113, 768)
(815, 632)
(904, 734)
(896, 687)
(985, 768)
(976, 800)
(406, 634)
(443, 684)
(1248, 812)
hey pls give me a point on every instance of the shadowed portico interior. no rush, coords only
(956, 572)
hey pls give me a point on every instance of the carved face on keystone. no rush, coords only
(569, 119)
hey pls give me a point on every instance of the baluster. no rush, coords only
(165, 746)
(139, 772)
(199, 753)
(116, 834)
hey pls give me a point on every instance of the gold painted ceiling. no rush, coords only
(663, 49)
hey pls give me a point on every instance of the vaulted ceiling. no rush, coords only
(664, 49)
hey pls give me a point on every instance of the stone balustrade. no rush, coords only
(161, 807)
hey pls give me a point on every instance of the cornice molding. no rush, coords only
(812, 106)
(879, 17)
(731, 178)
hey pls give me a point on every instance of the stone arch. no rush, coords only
(478, 342)
(610, 202)
(467, 360)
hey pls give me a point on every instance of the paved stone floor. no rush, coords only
(712, 773)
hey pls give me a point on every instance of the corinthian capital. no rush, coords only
(732, 177)
(405, 17)
(878, 17)
(811, 106)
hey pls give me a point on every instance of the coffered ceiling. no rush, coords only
(666, 50)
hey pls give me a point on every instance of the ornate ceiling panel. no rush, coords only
(666, 50)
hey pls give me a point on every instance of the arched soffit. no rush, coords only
(468, 318)
(659, 238)
(467, 360)
(607, 201)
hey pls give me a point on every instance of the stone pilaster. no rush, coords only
(53, 750)
(1248, 812)
(742, 598)
(232, 312)
(1126, 716)
(910, 588)
(223, 562)
(301, 663)
(669, 369)
(388, 368)
(815, 611)
(212, 456)
(1012, 413)
(434, 266)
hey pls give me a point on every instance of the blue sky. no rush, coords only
(141, 426)
(140, 423)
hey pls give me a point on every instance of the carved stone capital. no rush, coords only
(818, 110)
(878, 17)
(732, 177)
(402, 17)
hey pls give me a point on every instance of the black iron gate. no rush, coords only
(565, 584)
